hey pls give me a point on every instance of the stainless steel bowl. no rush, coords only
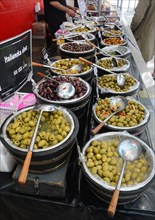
(46, 159)
(88, 36)
(122, 49)
(124, 68)
(102, 189)
(103, 43)
(83, 74)
(77, 52)
(134, 129)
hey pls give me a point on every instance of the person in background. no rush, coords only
(143, 28)
(81, 4)
(55, 14)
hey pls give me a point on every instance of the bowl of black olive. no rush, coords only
(76, 49)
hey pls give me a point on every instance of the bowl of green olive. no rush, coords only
(84, 29)
(108, 84)
(86, 73)
(106, 63)
(132, 119)
(54, 140)
(116, 51)
(102, 165)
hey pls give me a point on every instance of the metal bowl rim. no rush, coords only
(119, 69)
(116, 128)
(74, 75)
(112, 47)
(35, 91)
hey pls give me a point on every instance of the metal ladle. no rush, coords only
(77, 67)
(129, 150)
(25, 168)
(123, 102)
(120, 77)
(64, 90)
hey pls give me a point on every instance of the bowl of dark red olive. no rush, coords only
(46, 93)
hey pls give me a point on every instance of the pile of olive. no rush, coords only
(112, 32)
(104, 161)
(131, 116)
(107, 63)
(76, 47)
(79, 37)
(47, 89)
(53, 128)
(113, 41)
(68, 63)
(110, 82)
(81, 29)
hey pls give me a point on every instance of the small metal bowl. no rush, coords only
(81, 29)
(88, 36)
(102, 189)
(110, 51)
(123, 68)
(104, 43)
(86, 75)
(136, 129)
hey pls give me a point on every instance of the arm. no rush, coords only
(72, 8)
(61, 7)
(139, 13)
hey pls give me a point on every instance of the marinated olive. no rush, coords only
(67, 64)
(110, 82)
(48, 134)
(124, 118)
(110, 164)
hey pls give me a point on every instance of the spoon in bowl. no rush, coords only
(118, 102)
(128, 150)
(76, 68)
(64, 90)
(120, 77)
(25, 168)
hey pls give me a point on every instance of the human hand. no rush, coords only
(71, 13)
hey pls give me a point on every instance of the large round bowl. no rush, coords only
(77, 105)
(80, 37)
(104, 190)
(77, 49)
(130, 127)
(45, 159)
(107, 84)
(86, 73)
